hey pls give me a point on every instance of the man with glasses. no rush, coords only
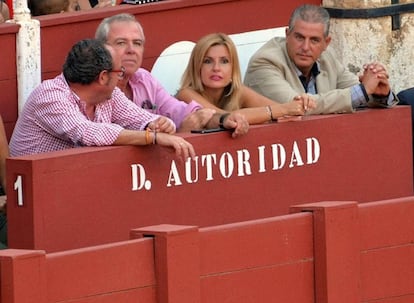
(83, 107)
(126, 36)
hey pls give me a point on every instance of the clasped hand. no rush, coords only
(305, 103)
(375, 79)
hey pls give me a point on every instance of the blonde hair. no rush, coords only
(229, 101)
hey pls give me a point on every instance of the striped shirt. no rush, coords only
(54, 118)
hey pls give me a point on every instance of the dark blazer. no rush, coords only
(406, 96)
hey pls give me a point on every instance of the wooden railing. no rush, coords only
(341, 252)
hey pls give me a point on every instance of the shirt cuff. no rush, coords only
(386, 101)
(359, 97)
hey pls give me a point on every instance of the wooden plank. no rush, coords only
(285, 283)
(263, 243)
(121, 269)
(388, 274)
(387, 223)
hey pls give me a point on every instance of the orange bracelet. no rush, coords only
(147, 136)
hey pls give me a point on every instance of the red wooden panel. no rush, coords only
(27, 213)
(8, 82)
(8, 34)
(176, 261)
(9, 96)
(23, 276)
(8, 104)
(387, 223)
(263, 243)
(401, 299)
(282, 283)
(144, 295)
(118, 268)
(99, 181)
(336, 250)
(388, 274)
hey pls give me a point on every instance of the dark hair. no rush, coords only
(46, 7)
(312, 14)
(86, 60)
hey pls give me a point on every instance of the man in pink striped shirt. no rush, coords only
(83, 107)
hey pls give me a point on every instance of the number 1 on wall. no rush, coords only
(18, 186)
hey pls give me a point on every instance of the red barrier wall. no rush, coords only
(101, 193)
(387, 251)
(119, 272)
(123, 271)
(164, 23)
(341, 252)
(8, 76)
(258, 260)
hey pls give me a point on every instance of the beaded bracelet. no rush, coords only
(154, 139)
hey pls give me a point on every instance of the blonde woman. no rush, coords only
(213, 79)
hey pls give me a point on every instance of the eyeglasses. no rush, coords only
(121, 72)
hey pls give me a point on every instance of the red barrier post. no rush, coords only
(23, 276)
(177, 262)
(336, 250)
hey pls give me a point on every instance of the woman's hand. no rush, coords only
(197, 120)
(297, 107)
